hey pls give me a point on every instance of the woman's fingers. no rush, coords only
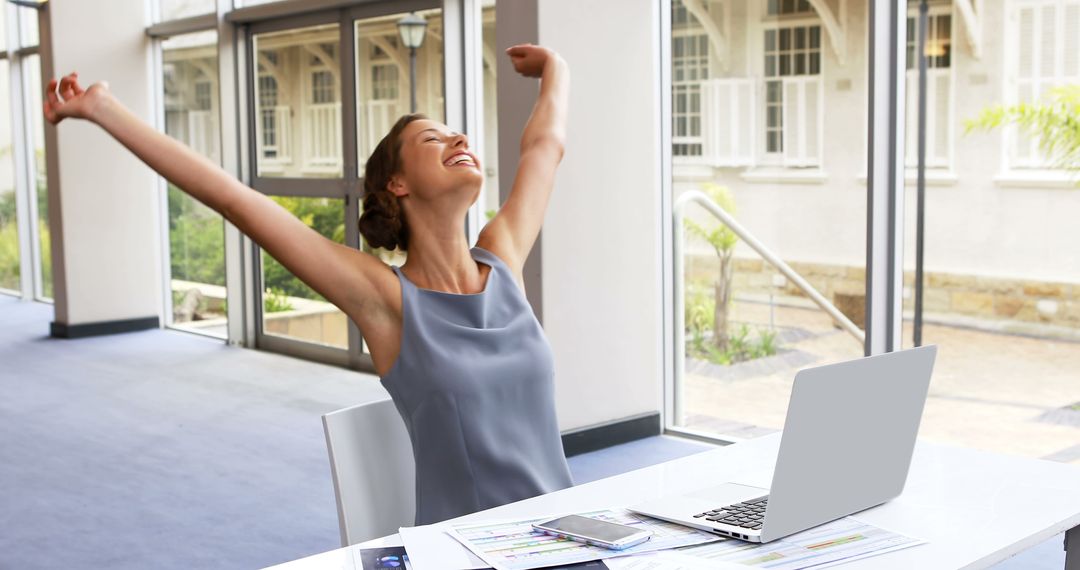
(66, 89)
(51, 97)
(50, 115)
(75, 83)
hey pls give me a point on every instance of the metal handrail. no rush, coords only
(713, 208)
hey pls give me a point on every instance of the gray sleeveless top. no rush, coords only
(474, 382)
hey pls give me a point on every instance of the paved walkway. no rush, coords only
(998, 392)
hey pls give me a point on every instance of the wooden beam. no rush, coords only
(833, 27)
(717, 38)
(970, 16)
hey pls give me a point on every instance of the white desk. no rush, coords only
(972, 507)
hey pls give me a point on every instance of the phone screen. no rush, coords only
(590, 528)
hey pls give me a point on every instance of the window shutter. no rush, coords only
(812, 111)
(939, 118)
(1026, 74)
(727, 107)
(802, 124)
(1071, 33)
(792, 121)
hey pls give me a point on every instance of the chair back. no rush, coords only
(371, 462)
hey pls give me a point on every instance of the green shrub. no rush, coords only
(275, 301)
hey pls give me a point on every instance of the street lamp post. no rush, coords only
(412, 28)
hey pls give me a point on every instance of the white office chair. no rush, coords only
(374, 474)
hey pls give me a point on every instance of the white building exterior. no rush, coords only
(770, 100)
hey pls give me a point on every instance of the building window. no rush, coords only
(268, 101)
(689, 68)
(1047, 56)
(203, 101)
(938, 42)
(384, 82)
(789, 7)
(793, 94)
(939, 122)
(322, 87)
(322, 79)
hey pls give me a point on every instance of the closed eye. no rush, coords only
(431, 139)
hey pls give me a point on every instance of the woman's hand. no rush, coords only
(72, 100)
(530, 60)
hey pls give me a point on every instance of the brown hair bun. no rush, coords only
(382, 223)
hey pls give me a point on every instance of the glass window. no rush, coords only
(746, 328)
(28, 27)
(1048, 40)
(196, 232)
(174, 9)
(939, 119)
(788, 7)
(383, 84)
(1001, 283)
(791, 52)
(489, 195)
(689, 67)
(40, 230)
(298, 102)
(291, 308)
(9, 233)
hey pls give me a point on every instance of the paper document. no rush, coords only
(430, 548)
(826, 545)
(515, 545)
(668, 560)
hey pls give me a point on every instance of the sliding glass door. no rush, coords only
(768, 204)
(324, 89)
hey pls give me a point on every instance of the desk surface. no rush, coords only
(973, 508)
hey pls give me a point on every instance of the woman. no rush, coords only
(450, 332)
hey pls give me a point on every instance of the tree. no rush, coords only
(723, 241)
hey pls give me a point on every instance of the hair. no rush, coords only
(383, 222)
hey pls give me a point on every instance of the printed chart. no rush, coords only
(515, 545)
(839, 541)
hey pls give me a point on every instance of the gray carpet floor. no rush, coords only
(161, 449)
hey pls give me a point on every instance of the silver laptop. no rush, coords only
(847, 446)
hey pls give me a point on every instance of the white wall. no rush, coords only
(601, 254)
(108, 202)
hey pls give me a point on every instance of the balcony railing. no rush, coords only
(321, 142)
(375, 120)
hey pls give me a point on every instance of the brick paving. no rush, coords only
(999, 392)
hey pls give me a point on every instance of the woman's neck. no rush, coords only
(438, 258)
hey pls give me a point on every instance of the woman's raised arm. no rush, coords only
(512, 232)
(341, 274)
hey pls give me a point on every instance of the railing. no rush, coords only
(680, 326)
(376, 119)
(322, 135)
(273, 132)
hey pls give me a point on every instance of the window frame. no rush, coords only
(1014, 169)
(936, 10)
(885, 191)
(764, 158)
(18, 51)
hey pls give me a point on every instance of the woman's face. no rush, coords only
(437, 163)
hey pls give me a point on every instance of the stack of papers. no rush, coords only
(830, 544)
(515, 545)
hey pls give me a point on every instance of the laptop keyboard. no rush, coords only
(747, 514)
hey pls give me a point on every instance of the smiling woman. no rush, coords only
(447, 300)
